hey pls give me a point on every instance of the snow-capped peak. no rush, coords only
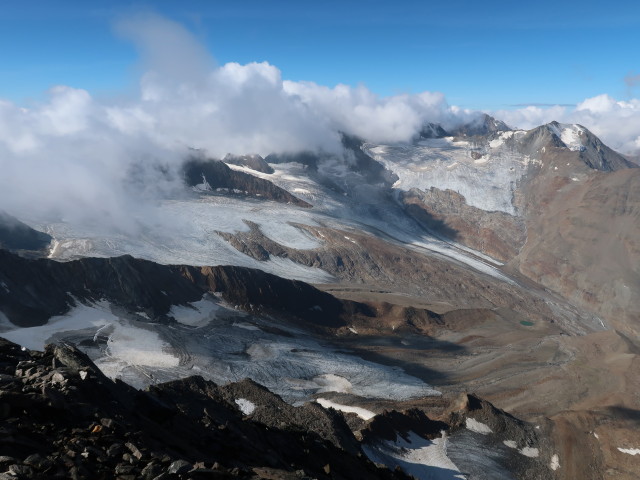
(569, 134)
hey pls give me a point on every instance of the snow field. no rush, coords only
(424, 459)
(487, 183)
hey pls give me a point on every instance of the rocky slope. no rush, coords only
(446, 213)
(62, 418)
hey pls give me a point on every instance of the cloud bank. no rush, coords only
(84, 159)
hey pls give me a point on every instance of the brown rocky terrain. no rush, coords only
(583, 241)
(581, 390)
(576, 227)
(369, 263)
(445, 212)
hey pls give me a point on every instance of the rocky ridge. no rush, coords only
(62, 418)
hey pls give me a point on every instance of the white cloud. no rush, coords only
(86, 159)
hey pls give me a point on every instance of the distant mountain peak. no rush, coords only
(480, 126)
(593, 152)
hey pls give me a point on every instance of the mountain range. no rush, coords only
(459, 306)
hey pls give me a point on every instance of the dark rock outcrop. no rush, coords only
(219, 177)
(61, 418)
(32, 291)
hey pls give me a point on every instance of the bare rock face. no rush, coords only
(583, 242)
(35, 290)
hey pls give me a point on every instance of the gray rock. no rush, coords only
(179, 467)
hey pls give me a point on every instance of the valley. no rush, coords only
(485, 279)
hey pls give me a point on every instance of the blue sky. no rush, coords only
(481, 55)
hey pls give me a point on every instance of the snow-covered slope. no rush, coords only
(486, 174)
(220, 344)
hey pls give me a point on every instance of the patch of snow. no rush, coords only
(330, 382)
(78, 318)
(630, 451)
(478, 427)
(289, 235)
(128, 346)
(498, 142)
(555, 462)
(529, 452)
(570, 135)
(287, 268)
(52, 248)
(204, 186)
(596, 435)
(246, 326)
(195, 314)
(353, 330)
(262, 351)
(138, 346)
(510, 443)
(83, 374)
(247, 407)
(97, 334)
(424, 459)
(361, 412)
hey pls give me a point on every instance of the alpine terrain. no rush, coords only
(462, 306)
